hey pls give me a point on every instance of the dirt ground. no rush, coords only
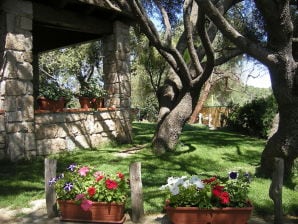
(37, 214)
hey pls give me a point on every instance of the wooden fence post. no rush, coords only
(137, 204)
(50, 172)
(275, 191)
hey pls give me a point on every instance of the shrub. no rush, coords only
(254, 118)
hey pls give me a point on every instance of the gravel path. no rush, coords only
(37, 214)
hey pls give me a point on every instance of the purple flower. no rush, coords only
(233, 175)
(68, 186)
(247, 176)
(72, 167)
(52, 181)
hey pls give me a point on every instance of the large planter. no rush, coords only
(100, 212)
(193, 215)
(51, 105)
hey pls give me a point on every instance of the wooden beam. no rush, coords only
(137, 204)
(50, 172)
(70, 20)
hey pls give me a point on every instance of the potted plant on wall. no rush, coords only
(52, 97)
(91, 95)
(85, 193)
(208, 201)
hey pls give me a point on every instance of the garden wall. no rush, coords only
(2, 135)
(65, 131)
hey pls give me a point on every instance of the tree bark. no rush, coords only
(170, 126)
(202, 99)
(284, 143)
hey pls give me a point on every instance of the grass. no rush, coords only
(200, 151)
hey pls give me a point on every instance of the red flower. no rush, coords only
(210, 180)
(120, 175)
(91, 191)
(111, 184)
(224, 198)
(217, 190)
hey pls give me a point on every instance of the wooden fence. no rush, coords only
(214, 116)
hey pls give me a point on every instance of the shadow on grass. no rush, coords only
(201, 151)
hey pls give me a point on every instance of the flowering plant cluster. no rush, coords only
(85, 185)
(207, 193)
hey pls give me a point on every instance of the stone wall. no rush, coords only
(66, 131)
(24, 133)
(16, 87)
(117, 73)
(2, 135)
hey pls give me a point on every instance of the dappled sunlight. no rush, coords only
(200, 151)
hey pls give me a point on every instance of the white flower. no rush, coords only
(171, 180)
(174, 189)
(196, 181)
(186, 184)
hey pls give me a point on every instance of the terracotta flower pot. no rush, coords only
(52, 105)
(85, 102)
(194, 215)
(100, 212)
(98, 103)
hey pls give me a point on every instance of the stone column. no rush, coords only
(117, 76)
(16, 76)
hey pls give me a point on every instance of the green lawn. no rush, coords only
(201, 151)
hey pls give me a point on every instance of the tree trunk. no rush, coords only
(202, 99)
(284, 143)
(170, 126)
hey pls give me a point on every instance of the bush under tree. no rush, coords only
(254, 118)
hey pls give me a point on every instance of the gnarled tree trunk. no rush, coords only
(170, 126)
(284, 143)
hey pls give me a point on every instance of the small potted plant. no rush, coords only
(91, 95)
(85, 193)
(208, 200)
(52, 97)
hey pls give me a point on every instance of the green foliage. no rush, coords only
(193, 192)
(53, 91)
(238, 188)
(73, 69)
(255, 117)
(149, 111)
(92, 89)
(80, 183)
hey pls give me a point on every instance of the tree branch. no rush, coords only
(168, 32)
(208, 49)
(227, 55)
(188, 26)
(233, 35)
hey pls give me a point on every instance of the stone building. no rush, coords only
(28, 27)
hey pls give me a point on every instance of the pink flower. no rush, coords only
(83, 170)
(86, 204)
(80, 196)
(98, 178)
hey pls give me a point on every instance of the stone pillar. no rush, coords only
(16, 76)
(117, 76)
